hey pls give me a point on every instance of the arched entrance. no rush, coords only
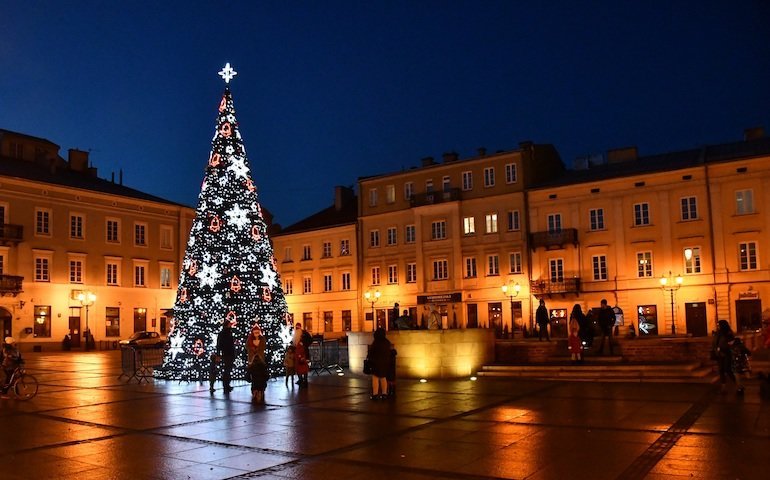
(6, 320)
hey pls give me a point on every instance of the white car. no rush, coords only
(144, 339)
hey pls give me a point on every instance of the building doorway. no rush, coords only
(695, 318)
(496, 318)
(473, 315)
(140, 319)
(6, 320)
(749, 314)
(74, 324)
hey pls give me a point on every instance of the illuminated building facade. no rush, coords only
(674, 241)
(317, 258)
(65, 232)
(442, 239)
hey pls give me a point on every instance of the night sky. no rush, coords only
(329, 91)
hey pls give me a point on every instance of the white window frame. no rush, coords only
(440, 269)
(392, 274)
(166, 237)
(644, 264)
(165, 274)
(554, 222)
(514, 221)
(599, 267)
(438, 230)
(390, 194)
(327, 282)
(77, 226)
(693, 265)
(689, 208)
(493, 265)
(374, 238)
(469, 225)
(76, 269)
(596, 219)
(410, 233)
(140, 272)
(392, 236)
(411, 272)
(556, 270)
(43, 261)
(307, 285)
(489, 177)
(470, 267)
(641, 214)
(511, 173)
(307, 252)
(515, 262)
(344, 247)
(43, 222)
(490, 222)
(140, 234)
(112, 278)
(408, 190)
(375, 275)
(288, 286)
(744, 201)
(326, 249)
(372, 197)
(467, 180)
(345, 281)
(748, 256)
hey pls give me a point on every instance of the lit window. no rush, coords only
(491, 223)
(390, 193)
(469, 225)
(644, 264)
(693, 264)
(748, 255)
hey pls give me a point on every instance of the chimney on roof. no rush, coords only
(449, 157)
(753, 133)
(78, 160)
(482, 151)
(427, 161)
(342, 197)
(621, 155)
(120, 177)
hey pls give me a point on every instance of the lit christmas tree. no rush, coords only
(229, 271)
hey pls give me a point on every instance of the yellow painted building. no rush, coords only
(317, 260)
(440, 241)
(66, 232)
(696, 219)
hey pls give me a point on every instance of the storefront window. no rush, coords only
(648, 319)
(112, 321)
(42, 321)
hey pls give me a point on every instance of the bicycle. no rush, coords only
(23, 384)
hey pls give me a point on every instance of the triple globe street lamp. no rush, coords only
(671, 284)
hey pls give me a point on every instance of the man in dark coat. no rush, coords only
(541, 315)
(606, 323)
(379, 357)
(226, 349)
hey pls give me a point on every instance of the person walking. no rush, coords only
(606, 323)
(255, 350)
(226, 351)
(541, 316)
(379, 357)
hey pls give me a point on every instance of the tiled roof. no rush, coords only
(328, 217)
(664, 162)
(11, 167)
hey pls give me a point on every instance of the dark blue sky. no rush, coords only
(331, 91)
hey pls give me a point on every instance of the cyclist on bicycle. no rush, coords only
(11, 358)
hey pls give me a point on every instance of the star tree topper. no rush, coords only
(227, 73)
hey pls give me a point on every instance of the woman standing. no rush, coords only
(379, 358)
(576, 320)
(255, 349)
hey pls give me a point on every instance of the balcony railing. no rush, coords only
(555, 239)
(547, 287)
(10, 285)
(11, 234)
(431, 198)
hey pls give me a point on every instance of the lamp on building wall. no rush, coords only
(688, 254)
(372, 296)
(511, 290)
(671, 284)
(87, 299)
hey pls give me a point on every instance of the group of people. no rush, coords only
(295, 360)
(581, 331)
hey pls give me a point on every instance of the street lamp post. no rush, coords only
(372, 297)
(671, 284)
(511, 292)
(87, 299)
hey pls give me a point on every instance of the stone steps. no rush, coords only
(607, 370)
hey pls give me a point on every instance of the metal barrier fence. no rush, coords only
(325, 356)
(139, 362)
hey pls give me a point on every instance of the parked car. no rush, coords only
(144, 339)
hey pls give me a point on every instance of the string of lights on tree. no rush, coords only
(229, 271)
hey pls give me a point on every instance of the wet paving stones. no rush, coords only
(87, 424)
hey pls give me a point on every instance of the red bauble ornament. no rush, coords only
(193, 268)
(250, 185)
(255, 233)
(231, 318)
(266, 295)
(222, 104)
(183, 295)
(215, 160)
(226, 130)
